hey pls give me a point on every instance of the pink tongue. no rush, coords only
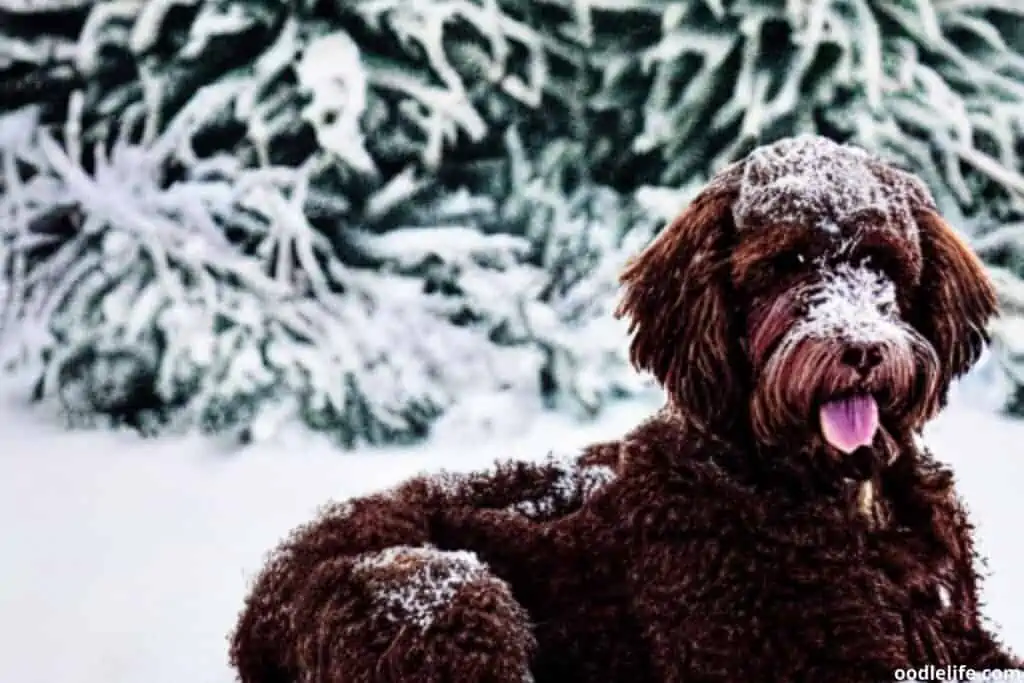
(850, 423)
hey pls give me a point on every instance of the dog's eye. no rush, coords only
(787, 263)
(881, 262)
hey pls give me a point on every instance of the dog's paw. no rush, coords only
(447, 617)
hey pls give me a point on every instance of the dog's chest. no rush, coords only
(903, 554)
(861, 542)
(927, 579)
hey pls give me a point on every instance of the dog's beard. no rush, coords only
(803, 375)
(801, 379)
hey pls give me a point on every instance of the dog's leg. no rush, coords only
(359, 596)
(420, 615)
(368, 593)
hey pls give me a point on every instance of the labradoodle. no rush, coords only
(778, 521)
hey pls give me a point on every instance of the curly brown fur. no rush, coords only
(727, 538)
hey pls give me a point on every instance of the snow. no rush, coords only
(811, 180)
(856, 304)
(27, 6)
(460, 245)
(126, 561)
(572, 481)
(431, 579)
(331, 72)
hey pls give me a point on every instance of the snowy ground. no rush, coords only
(126, 562)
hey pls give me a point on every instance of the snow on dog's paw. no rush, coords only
(413, 585)
(452, 618)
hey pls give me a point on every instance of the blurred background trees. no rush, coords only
(378, 214)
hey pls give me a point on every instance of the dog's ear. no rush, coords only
(955, 298)
(675, 300)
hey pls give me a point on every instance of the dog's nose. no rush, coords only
(862, 357)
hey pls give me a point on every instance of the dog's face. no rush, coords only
(815, 293)
(826, 329)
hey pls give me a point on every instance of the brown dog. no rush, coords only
(777, 521)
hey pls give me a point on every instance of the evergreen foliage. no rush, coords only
(225, 213)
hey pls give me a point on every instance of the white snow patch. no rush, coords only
(811, 180)
(455, 244)
(854, 304)
(331, 72)
(26, 6)
(430, 581)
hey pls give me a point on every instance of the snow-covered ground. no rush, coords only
(125, 561)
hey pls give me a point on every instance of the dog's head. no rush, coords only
(812, 292)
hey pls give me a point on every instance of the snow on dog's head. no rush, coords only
(812, 292)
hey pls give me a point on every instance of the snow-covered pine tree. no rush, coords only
(225, 213)
(349, 132)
